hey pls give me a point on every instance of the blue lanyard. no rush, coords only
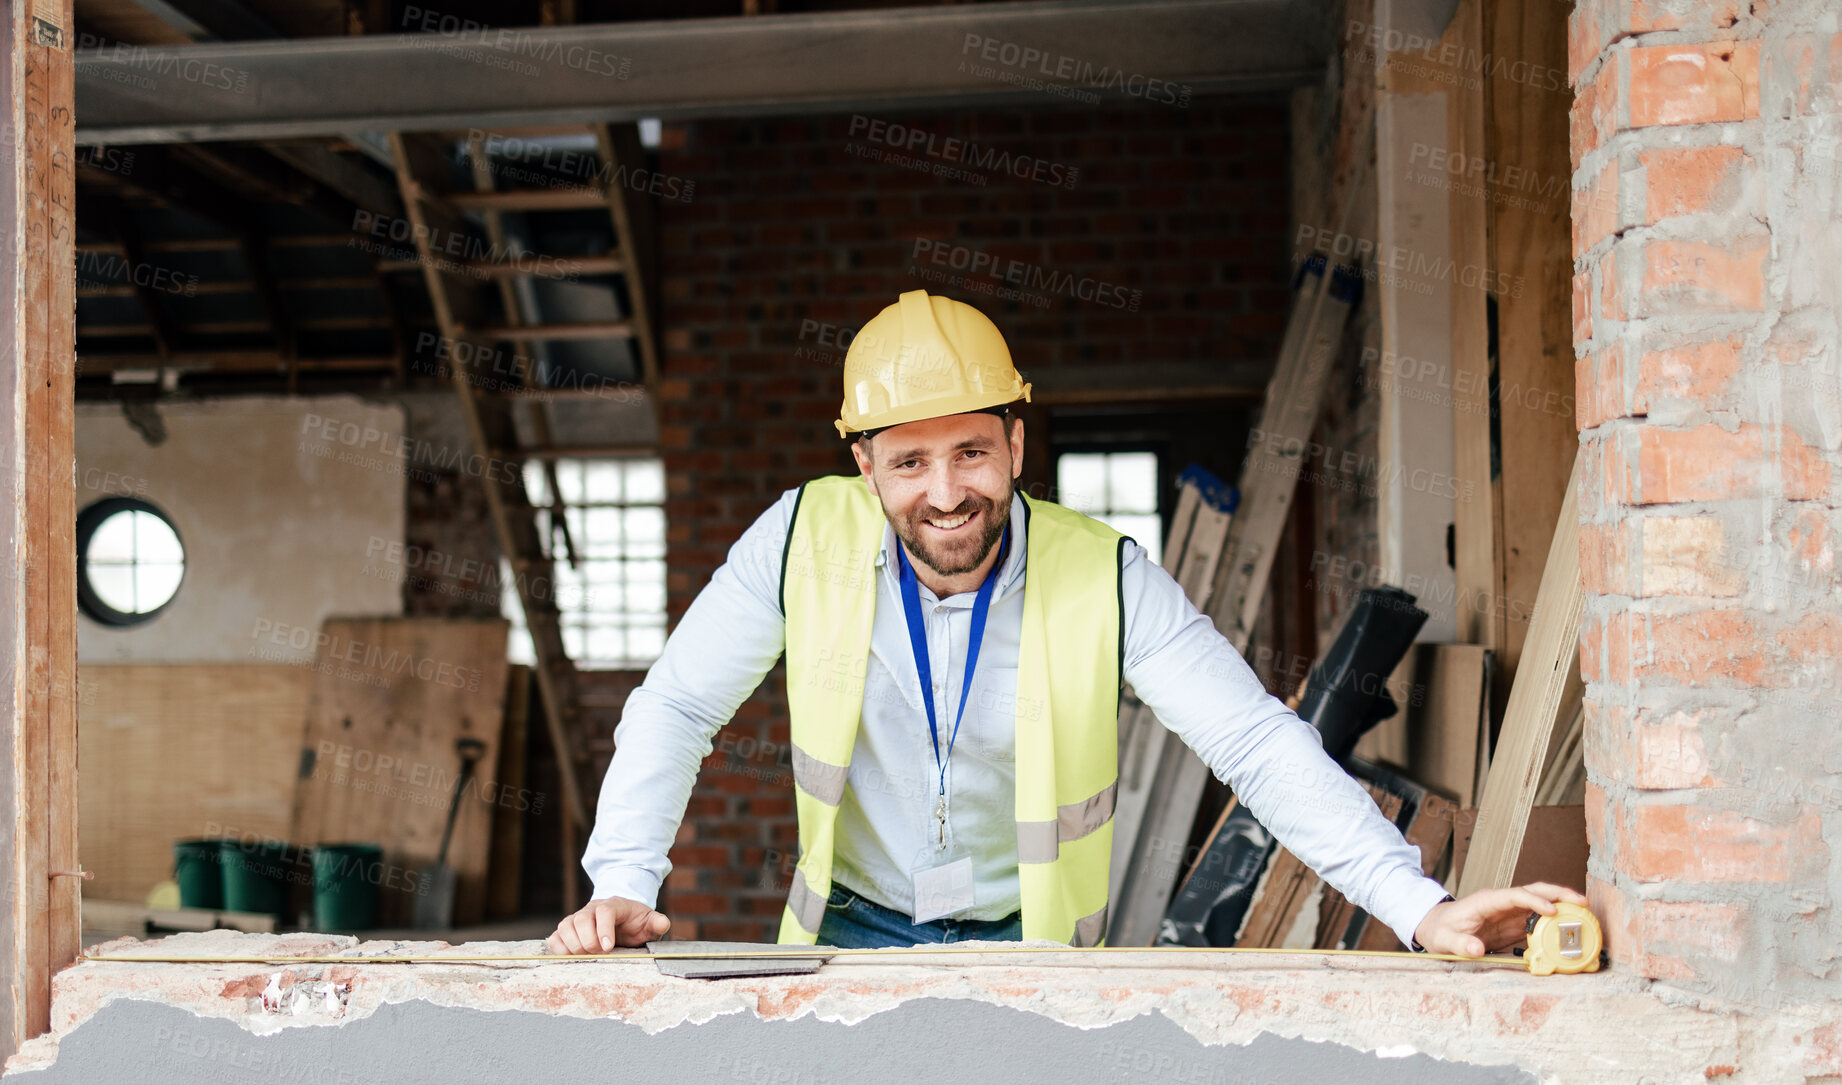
(917, 637)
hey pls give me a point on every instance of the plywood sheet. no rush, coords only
(1550, 657)
(1554, 847)
(377, 759)
(1447, 695)
(171, 751)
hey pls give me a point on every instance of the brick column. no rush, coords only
(1706, 315)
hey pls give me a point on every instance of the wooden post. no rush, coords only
(38, 597)
(1474, 533)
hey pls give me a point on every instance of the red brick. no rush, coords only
(1599, 387)
(1701, 374)
(1683, 555)
(1666, 842)
(1692, 180)
(1585, 39)
(1594, 116)
(1595, 210)
(1606, 748)
(1603, 562)
(1690, 278)
(1710, 933)
(1694, 84)
(1670, 752)
(1605, 648)
(1698, 648)
(1611, 293)
(1709, 463)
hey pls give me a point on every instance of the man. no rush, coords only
(954, 658)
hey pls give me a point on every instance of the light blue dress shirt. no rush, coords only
(1176, 662)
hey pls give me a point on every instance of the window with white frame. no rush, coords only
(1120, 489)
(612, 594)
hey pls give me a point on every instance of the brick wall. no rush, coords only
(1706, 307)
(801, 228)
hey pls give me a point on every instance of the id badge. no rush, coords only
(943, 883)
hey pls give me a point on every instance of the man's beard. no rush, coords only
(956, 561)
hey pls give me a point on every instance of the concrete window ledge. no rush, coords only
(1069, 1017)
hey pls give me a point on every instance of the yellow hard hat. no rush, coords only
(925, 357)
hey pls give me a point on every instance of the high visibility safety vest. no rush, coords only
(1069, 670)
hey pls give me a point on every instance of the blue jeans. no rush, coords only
(851, 922)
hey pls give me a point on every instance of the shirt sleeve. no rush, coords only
(1201, 688)
(721, 650)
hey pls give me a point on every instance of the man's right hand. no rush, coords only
(603, 924)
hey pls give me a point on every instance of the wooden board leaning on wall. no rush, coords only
(377, 759)
(172, 751)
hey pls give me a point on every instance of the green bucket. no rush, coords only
(345, 878)
(199, 872)
(255, 875)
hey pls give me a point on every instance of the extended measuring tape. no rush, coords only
(1567, 942)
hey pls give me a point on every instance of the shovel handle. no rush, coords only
(470, 750)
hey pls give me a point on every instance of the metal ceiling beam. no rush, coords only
(1150, 53)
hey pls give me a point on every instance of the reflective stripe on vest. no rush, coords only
(1068, 679)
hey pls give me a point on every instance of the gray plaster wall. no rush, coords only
(925, 1041)
(276, 501)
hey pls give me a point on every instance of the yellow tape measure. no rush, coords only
(1568, 941)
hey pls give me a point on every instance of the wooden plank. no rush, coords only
(38, 728)
(176, 751)
(1474, 532)
(592, 329)
(1444, 731)
(1531, 248)
(1551, 652)
(1414, 425)
(1277, 902)
(537, 199)
(1566, 769)
(1141, 737)
(378, 761)
(1554, 849)
(505, 865)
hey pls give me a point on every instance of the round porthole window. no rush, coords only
(129, 561)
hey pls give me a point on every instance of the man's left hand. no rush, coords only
(1489, 919)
